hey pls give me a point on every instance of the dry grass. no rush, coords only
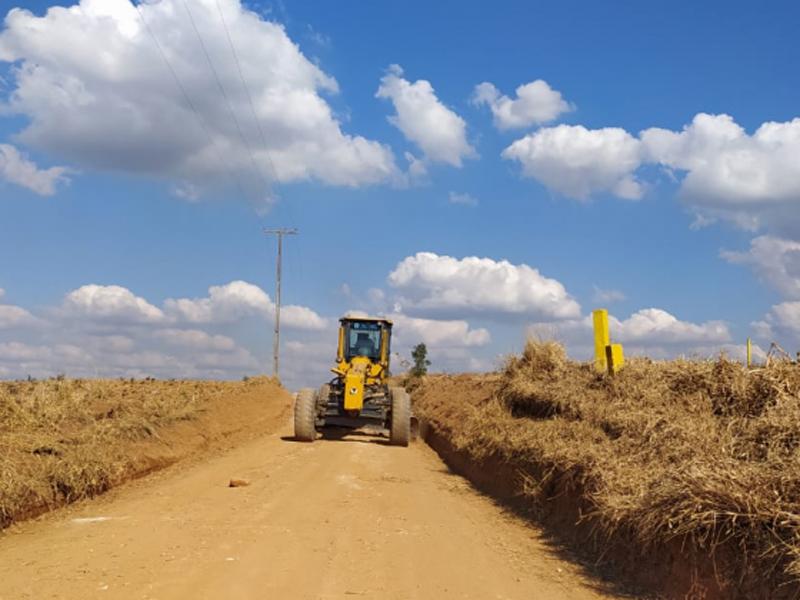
(63, 439)
(704, 452)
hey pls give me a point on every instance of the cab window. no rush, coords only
(363, 339)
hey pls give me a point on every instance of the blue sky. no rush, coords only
(116, 215)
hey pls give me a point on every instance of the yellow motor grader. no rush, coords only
(360, 393)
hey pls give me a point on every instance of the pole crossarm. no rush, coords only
(281, 230)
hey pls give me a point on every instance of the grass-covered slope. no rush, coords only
(699, 457)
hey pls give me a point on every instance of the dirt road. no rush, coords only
(339, 518)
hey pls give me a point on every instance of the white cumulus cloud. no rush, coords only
(536, 103)
(782, 319)
(224, 303)
(238, 300)
(15, 316)
(579, 162)
(437, 333)
(727, 172)
(94, 89)
(17, 169)
(435, 284)
(645, 330)
(751, 180)
(301, 317)
(32, 359)
(775, 260)
(657, 326)
(194, 338)
(108, 331)
(110, 303)
(422, 118)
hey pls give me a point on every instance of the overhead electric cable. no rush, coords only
(225, 96)
(247, 90)
(185, 94)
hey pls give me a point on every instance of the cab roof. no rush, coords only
(348, 318)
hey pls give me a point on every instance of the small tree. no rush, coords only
(421, 362)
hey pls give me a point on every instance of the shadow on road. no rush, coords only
(346, 434)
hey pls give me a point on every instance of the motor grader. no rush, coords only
(359, 394)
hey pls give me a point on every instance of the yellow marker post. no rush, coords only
(749, 353)
(615, 358)
(602, 338)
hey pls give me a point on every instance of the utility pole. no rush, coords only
(278, 232)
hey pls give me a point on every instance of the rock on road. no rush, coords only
(337, 518)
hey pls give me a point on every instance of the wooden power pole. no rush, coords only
(278, 232)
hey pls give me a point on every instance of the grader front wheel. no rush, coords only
(305, 416)
(400, 431)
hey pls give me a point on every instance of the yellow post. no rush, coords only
(749, 353)
(601, 338)
(615, 358)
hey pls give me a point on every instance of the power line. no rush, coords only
(247, 90)
(185, 94)
(225, 95)
(279, 232)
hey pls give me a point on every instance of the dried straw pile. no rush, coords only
(703, 452)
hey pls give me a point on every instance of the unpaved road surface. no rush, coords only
(338, 518)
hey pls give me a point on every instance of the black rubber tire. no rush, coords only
(400, 431)
(305, 416)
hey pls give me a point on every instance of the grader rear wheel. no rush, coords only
(305, 416)
(400, 431)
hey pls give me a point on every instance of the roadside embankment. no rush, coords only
(62, 440)
(681, 478)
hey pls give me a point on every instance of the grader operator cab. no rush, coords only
(360, 393)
